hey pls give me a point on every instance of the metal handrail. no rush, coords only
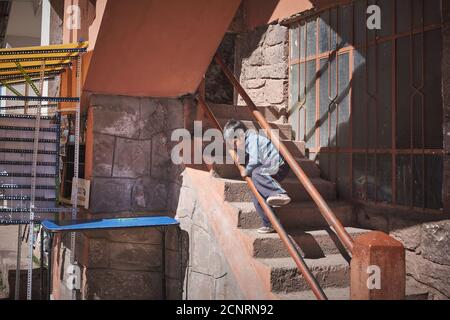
(292, 249)
(325, 210)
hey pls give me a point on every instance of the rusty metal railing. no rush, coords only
(287, 241)
(325, 210)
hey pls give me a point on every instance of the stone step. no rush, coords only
(313, 244)
(283, 276)
(296, 148)
(230, 171)
(225, 111)
(412, 293)
(237, 190)
(331, 293)
(302, 215)
(285, 130)
(415, 290)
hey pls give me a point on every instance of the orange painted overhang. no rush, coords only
(157, 48)
(262, 12)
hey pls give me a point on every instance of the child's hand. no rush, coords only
(243, 172)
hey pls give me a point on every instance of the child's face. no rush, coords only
(236, 140)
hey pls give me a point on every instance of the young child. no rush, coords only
(263, 164)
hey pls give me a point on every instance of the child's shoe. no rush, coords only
(278, 200)
(265, 230)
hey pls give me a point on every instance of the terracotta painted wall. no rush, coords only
(90, 22)
(96, 24)
(259, 13)
(157, 48)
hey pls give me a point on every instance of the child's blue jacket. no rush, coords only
(261, 152)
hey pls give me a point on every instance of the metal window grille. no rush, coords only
(368, 103)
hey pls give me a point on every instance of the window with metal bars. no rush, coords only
(368, 103)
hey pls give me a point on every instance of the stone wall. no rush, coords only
(217, 87)
(132, 170)
(262, 65)
(131, 175)
(427, 243)
(206, 272)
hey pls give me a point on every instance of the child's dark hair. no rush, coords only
(232, 128)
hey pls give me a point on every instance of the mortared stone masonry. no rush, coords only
(131, 175)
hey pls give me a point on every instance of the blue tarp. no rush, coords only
(117, 223)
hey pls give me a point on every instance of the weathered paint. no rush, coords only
(90, 22)
(260, 13)
(377, 249)
(95, 26)
(157, 48)
(253, 279)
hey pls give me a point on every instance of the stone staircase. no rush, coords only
(319, 245)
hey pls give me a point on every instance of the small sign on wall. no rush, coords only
(84, 188)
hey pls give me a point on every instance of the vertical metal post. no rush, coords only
(350, 107)
(41, 270)
(180, 248)
(163, 263)
(27, 89)
(18, 263)
(58, 160)
(316, 127)
(336, 104)
(394, 106)
(417, 89)
(375, 95)
(366, 109)
(49, 265)
(76, 165)
(33, 185)
(302, 112)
